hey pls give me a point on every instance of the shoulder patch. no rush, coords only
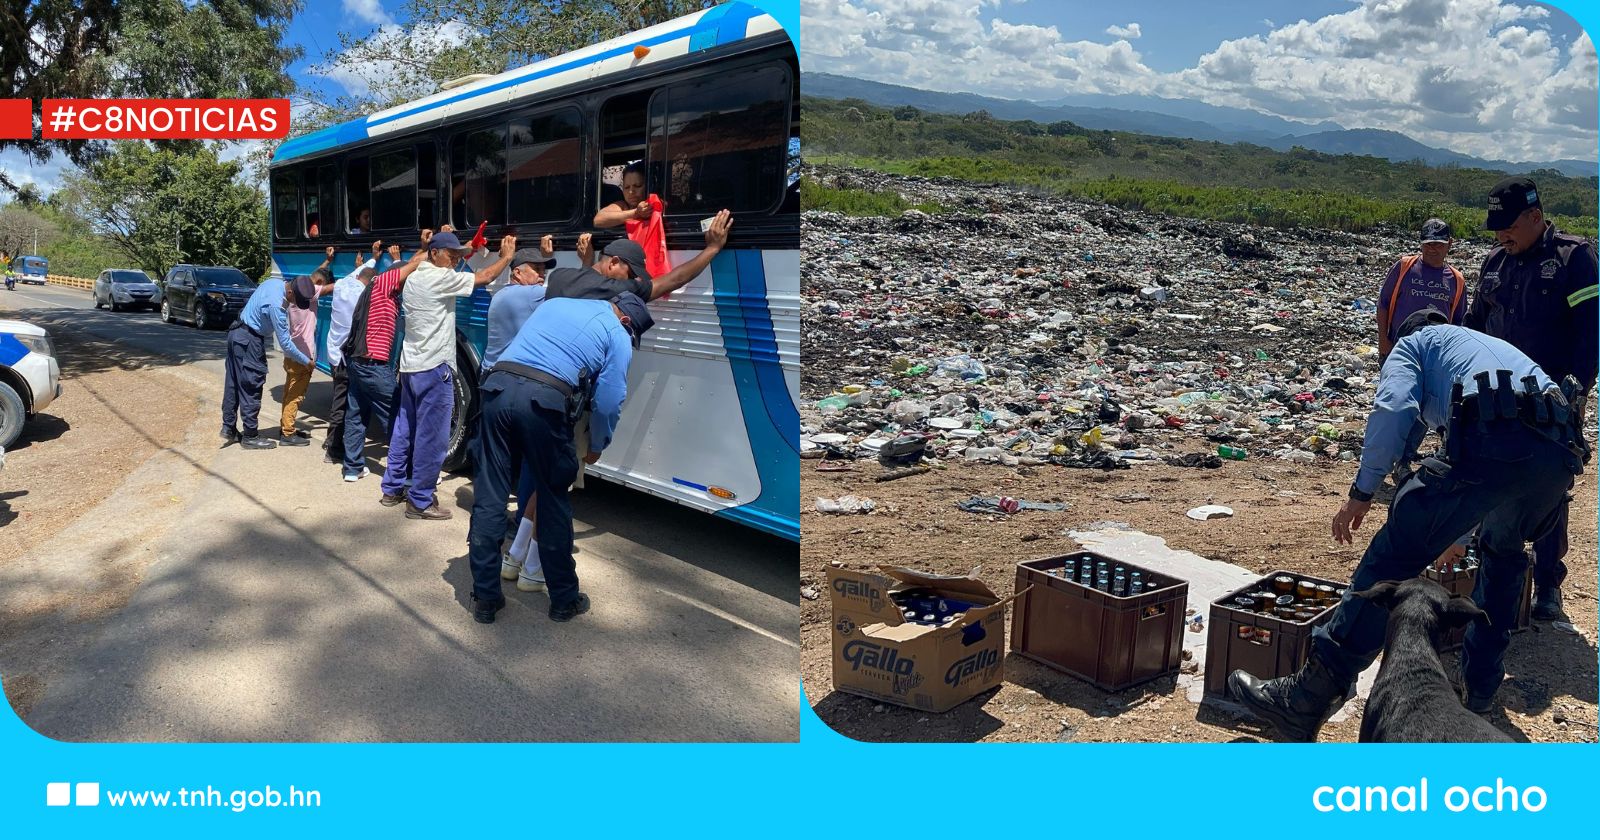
(1549, 268)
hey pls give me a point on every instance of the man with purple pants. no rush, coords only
(427, 380)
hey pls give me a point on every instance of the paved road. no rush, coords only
(285, 604)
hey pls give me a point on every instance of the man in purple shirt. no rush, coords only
(1419, 281)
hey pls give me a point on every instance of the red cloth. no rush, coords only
(651, 234)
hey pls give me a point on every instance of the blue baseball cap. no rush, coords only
(446, 241)
(638, 314)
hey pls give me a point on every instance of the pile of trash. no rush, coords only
(1029, 329)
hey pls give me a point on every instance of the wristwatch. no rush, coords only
(1357, 495)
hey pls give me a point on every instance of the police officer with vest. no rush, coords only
(571, 354)
(1538, 291)
(1500, 416)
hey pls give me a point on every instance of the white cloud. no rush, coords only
(368, 11)
(1483, 77)
(21, 170)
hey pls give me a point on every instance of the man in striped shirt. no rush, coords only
(371, 381)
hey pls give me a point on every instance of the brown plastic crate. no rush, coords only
(1461, 583)
(1109, 641)
(1277, 653)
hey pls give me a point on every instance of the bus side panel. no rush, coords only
(758, 299)
(682, 428)
(289, 265)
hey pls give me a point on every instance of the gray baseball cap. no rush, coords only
(531, 256)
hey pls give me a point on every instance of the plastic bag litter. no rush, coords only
(846, 504)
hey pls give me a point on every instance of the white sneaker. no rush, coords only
(509, 568)
(352, 478)
(531, 583)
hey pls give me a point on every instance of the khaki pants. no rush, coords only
(297, 378)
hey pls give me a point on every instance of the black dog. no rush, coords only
(1413, 701)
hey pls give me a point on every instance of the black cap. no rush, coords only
(1508, 199)
(531, 256)
(629, 252)
(1435, 230)
(305, 291)
(638, 314)
(1425, 317)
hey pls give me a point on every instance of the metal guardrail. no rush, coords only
(70, 282)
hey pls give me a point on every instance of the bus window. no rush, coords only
(286, 204)
(723, 142)
(622, 141)
(393, 180)
(478, 176)
(429, 213)
(544, 164)
(358, 195)
(321, 199)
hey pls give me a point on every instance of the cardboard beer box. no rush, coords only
(879, 653)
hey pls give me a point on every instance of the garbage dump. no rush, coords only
(1028, 330)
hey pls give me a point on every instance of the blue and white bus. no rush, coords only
(710, 103)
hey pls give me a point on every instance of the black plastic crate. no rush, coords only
(1111, 641)
(1266, 646)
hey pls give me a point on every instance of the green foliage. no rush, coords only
(851, 202)
(1201, 179)
(141, 198)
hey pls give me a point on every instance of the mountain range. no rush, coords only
(1176, 118)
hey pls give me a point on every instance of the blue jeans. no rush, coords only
(1428, 514)
(370, 391)
(421, 433)
(520, 427)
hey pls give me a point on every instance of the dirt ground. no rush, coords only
(1282, 516)
(113, 416)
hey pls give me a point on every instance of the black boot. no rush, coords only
(1297, 705)
(1547, 603)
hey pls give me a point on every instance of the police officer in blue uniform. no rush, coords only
(246, 370)
(570, 353)
(1501, 416)
(1538, 291)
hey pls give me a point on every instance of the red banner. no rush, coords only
(165, 119)
(16, 119)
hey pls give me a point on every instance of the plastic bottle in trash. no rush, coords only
(1232, 453)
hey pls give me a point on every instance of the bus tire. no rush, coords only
(464, 420)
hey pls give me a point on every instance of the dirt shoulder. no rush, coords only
(85, 450)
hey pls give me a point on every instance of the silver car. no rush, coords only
(121, 288)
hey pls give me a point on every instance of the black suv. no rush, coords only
(210, 296)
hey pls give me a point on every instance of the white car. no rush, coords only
(29, 376)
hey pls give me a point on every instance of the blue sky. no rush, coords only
(1503, 80)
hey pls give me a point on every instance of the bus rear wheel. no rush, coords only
(464, 420)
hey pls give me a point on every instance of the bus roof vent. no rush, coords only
(464, 80)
